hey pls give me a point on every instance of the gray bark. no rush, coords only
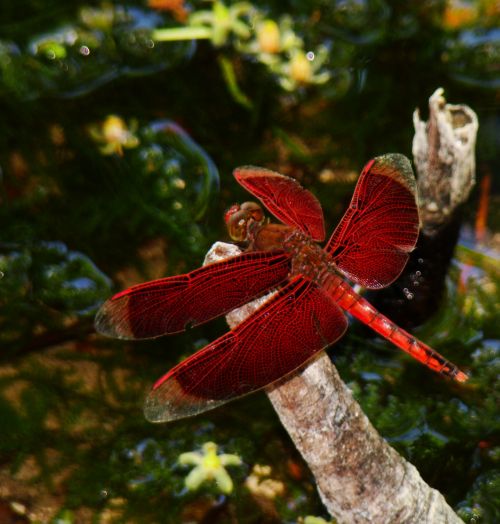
(444, 155)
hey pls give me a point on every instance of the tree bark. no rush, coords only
(444, 154)
(360, 478)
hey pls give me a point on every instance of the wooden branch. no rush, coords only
(360, 478)
(444, 155)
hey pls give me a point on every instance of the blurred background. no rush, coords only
(120, 125)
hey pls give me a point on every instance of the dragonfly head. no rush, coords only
(240, 218)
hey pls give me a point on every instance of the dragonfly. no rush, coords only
(307, 313)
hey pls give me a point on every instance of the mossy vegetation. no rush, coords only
(116, 154)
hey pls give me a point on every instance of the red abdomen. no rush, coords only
(360, 308)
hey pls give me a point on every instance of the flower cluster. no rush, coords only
(279, 47)
(276, 45)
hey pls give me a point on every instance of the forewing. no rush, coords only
(169, 305)
(283, 334)
(372, 241)
(285, 198)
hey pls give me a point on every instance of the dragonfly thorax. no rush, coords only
(307, 257)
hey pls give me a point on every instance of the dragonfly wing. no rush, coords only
(169, 305)
(285, 198)
(283, 334)
(372, 241)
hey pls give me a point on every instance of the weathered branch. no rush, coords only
(444, 155)
(360, 478)
(443, 149)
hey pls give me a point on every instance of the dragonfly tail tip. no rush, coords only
(461, 377)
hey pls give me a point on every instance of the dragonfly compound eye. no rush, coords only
(240, 218)
(254, 211)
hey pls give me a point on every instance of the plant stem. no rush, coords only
(182, 33)
(232, 83)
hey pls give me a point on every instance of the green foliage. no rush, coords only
(449, 433)
(107, 138)
(102, 44)
(45, 287)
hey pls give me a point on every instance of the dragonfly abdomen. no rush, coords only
(360, 308)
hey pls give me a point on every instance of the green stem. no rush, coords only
(232, 84)
(182, 33)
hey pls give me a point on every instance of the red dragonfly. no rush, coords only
(370, 247)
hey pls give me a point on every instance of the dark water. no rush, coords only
(116, 152)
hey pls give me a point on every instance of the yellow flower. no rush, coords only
(268, 488)
(303, 69)
(209, 466)
(114, 135)
(270, 40)
(300, 68)
(269, 37)
(223, 21)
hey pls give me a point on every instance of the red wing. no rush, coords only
(285, 198)
(283, 334)
(169, 305)
(372, 241)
